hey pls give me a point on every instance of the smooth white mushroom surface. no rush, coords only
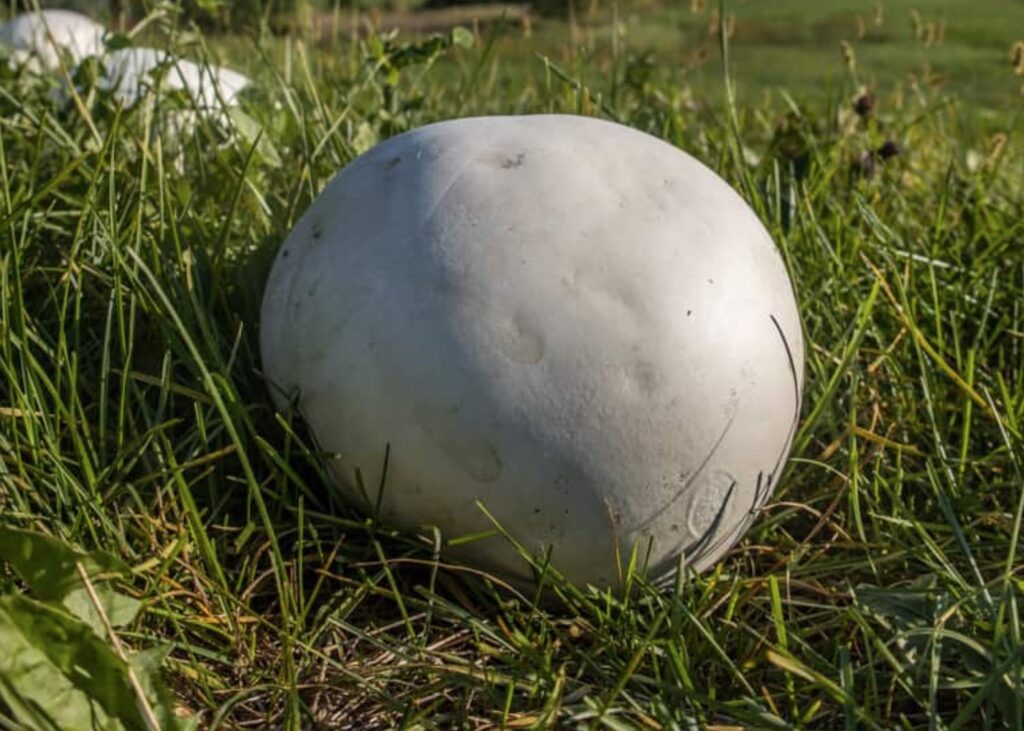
(132, 72)
(44, 34)
(571, 322)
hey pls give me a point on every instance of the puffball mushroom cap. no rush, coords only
(571, 322)
(129, 73)
(45, 33)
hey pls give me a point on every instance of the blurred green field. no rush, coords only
(794, 45)
(780, 52)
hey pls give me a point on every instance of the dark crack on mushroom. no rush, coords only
(514, 162)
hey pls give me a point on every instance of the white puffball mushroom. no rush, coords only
(572, 322)
(44, 34)
(130, 74)
(229, 83)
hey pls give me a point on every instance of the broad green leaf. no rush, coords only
(364, 139)
(147, 665)
(901, 611)
(56, 668)
(252, 133)
(48, 566)
(121, 610)
(900, 608)
(211, 6)
(117, 41)
(55, 672)
(462, 37)
(24, 710)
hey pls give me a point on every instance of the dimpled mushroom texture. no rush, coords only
(568, 321)
(42, 36)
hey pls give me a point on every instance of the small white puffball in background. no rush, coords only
(129, 73)
(571, 322)
(230, 83)
(44, 34)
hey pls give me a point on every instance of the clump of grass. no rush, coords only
(878, 589)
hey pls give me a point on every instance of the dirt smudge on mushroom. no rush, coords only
(511, 163)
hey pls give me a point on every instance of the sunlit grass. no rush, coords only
(878, 589)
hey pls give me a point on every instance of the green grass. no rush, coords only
(878, 589)
(794, 45)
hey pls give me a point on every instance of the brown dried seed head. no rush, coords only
(889, 149)
(864, 104)
(995, 146)
(849, 58)
(1017, 58)
(915, 18)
